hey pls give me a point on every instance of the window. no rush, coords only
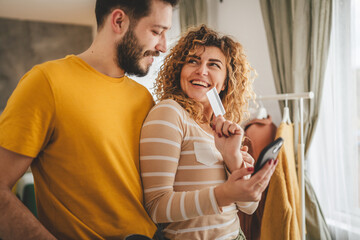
(333, 162)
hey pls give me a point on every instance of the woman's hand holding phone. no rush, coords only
(236, 188)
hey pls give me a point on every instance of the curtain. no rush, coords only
(192, 13)
(336, 144)
(298, 33)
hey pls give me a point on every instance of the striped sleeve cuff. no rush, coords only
(213, 201)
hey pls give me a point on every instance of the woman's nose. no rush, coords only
(202, 69)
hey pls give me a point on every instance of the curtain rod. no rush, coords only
(288, 96)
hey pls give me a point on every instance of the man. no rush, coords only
(77, 122)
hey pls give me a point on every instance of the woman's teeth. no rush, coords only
(199, 83)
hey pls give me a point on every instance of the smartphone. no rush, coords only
(269, 152)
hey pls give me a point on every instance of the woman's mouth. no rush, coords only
(200, 83)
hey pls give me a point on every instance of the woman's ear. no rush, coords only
(223, 87)
(119, 21)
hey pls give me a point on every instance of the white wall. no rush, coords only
(64, 11)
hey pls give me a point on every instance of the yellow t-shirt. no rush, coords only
(83, 129)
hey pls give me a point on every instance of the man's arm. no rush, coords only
(16, 221)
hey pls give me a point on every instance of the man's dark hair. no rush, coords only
(135, 9)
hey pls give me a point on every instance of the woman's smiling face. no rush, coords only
(202, 71)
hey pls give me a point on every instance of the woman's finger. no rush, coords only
(219, 122)
(213, 121)
(235, 129)
(248, 158)
(225, 128)
(244, 148)
(264, 175)
(240, 173)
(263, 172)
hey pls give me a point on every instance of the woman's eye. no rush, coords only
(215, 65)
(156, 32)
(191, 61)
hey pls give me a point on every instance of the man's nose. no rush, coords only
(161, 46)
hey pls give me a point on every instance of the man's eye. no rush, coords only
(156, 32)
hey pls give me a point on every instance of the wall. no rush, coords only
(79, 12)
(24, 44)
(35, 31)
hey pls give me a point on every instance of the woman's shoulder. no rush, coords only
(169, 103)
(166, 108)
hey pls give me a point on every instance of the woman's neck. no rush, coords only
(208, 112)
(206, 121)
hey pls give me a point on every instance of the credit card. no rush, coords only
(215, 102)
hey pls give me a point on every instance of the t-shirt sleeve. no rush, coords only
(27, 121)
(160, 148)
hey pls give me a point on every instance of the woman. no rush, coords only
(185, 151)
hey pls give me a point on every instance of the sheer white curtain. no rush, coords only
(333, 161)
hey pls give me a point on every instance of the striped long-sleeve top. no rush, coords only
(180, 167)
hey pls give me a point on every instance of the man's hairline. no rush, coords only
(133, 21)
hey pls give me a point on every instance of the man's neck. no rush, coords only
(102, 58)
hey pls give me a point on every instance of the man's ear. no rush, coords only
(119, 21)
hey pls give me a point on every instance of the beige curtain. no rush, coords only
(298, 34)
(192, 13)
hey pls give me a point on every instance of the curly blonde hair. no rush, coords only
(238, 83)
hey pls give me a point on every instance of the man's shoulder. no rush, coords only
(138, 88)
(57, 62)
(50, 67)
(135, 84)
(44, 71)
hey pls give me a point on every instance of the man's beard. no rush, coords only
(129, 54)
